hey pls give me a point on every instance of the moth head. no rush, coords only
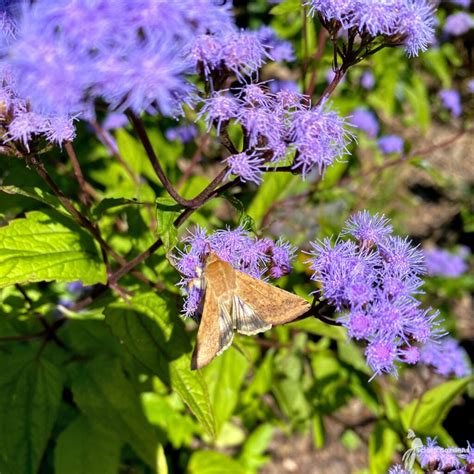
(211, 258)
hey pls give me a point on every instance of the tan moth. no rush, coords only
(235, 301)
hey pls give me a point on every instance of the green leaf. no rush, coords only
(314, 326)
(44, 246)
(224, 379)
(179, 428)
(166, 212)
(156, 337)
(382, 444)
(417, 95)
(272, 188)
(85, 447)
(285, 7)
(104, 394)
(425, 414)
(256, 444)
(37, 194)
(109, 203)
(30, 394)
(211, 462)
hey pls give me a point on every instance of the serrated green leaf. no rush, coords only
(155, 335)
(166, 212)
(30, 394)
(104, 394)
(45, 246)
(224, 379)
(425, 414)
(382, 444)
(211, 462)
(85, 447)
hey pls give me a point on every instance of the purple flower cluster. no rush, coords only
(440, 262)
(390, 144)
(434, 458)
(260, 258)
(276, 125)
(451, 100)
(458, 23)
(239, 52)
(59, 58)
(373, 280)
(183, 133)
(446, 356)
(409, 22)
(367, 80)
(366, 121)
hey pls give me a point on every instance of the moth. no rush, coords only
(235, 301)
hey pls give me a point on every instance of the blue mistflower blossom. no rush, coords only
(367, 80)
(390, 144)
(260, 258)
(320, 137)
(373, 281)
(451, 100)
(458, 23)
(407, 22)
(366, 121)
(446, 356)
(440, 262)
(245, 166)
(59, 58)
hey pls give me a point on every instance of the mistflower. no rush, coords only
(245, 166)
(440, 262)
(407, 22)
(183, 133)
(430, 455)
(218, 109)
(373, 281)
(260, 258)
(365, 121)
(381, 355)
(367, 80)
(390, 144)
(280, 49)
(447, 357)
(451, 100)
(320, 138)
(243, 53)
(458, 23)
(367, 229)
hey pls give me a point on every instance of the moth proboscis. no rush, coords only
(236, 301)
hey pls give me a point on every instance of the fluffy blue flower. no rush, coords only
(366, 121)
(458, 23)
(245, 166)
(367, 80)
(440, 262)
(374, 281)
(451, 100)
(390, 144)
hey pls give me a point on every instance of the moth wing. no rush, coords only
(215, 331)
(270, 304)
(245, 320)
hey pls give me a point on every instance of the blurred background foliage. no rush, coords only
(109, 390)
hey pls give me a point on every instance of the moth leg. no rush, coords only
(245, 320)
(226, 329)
